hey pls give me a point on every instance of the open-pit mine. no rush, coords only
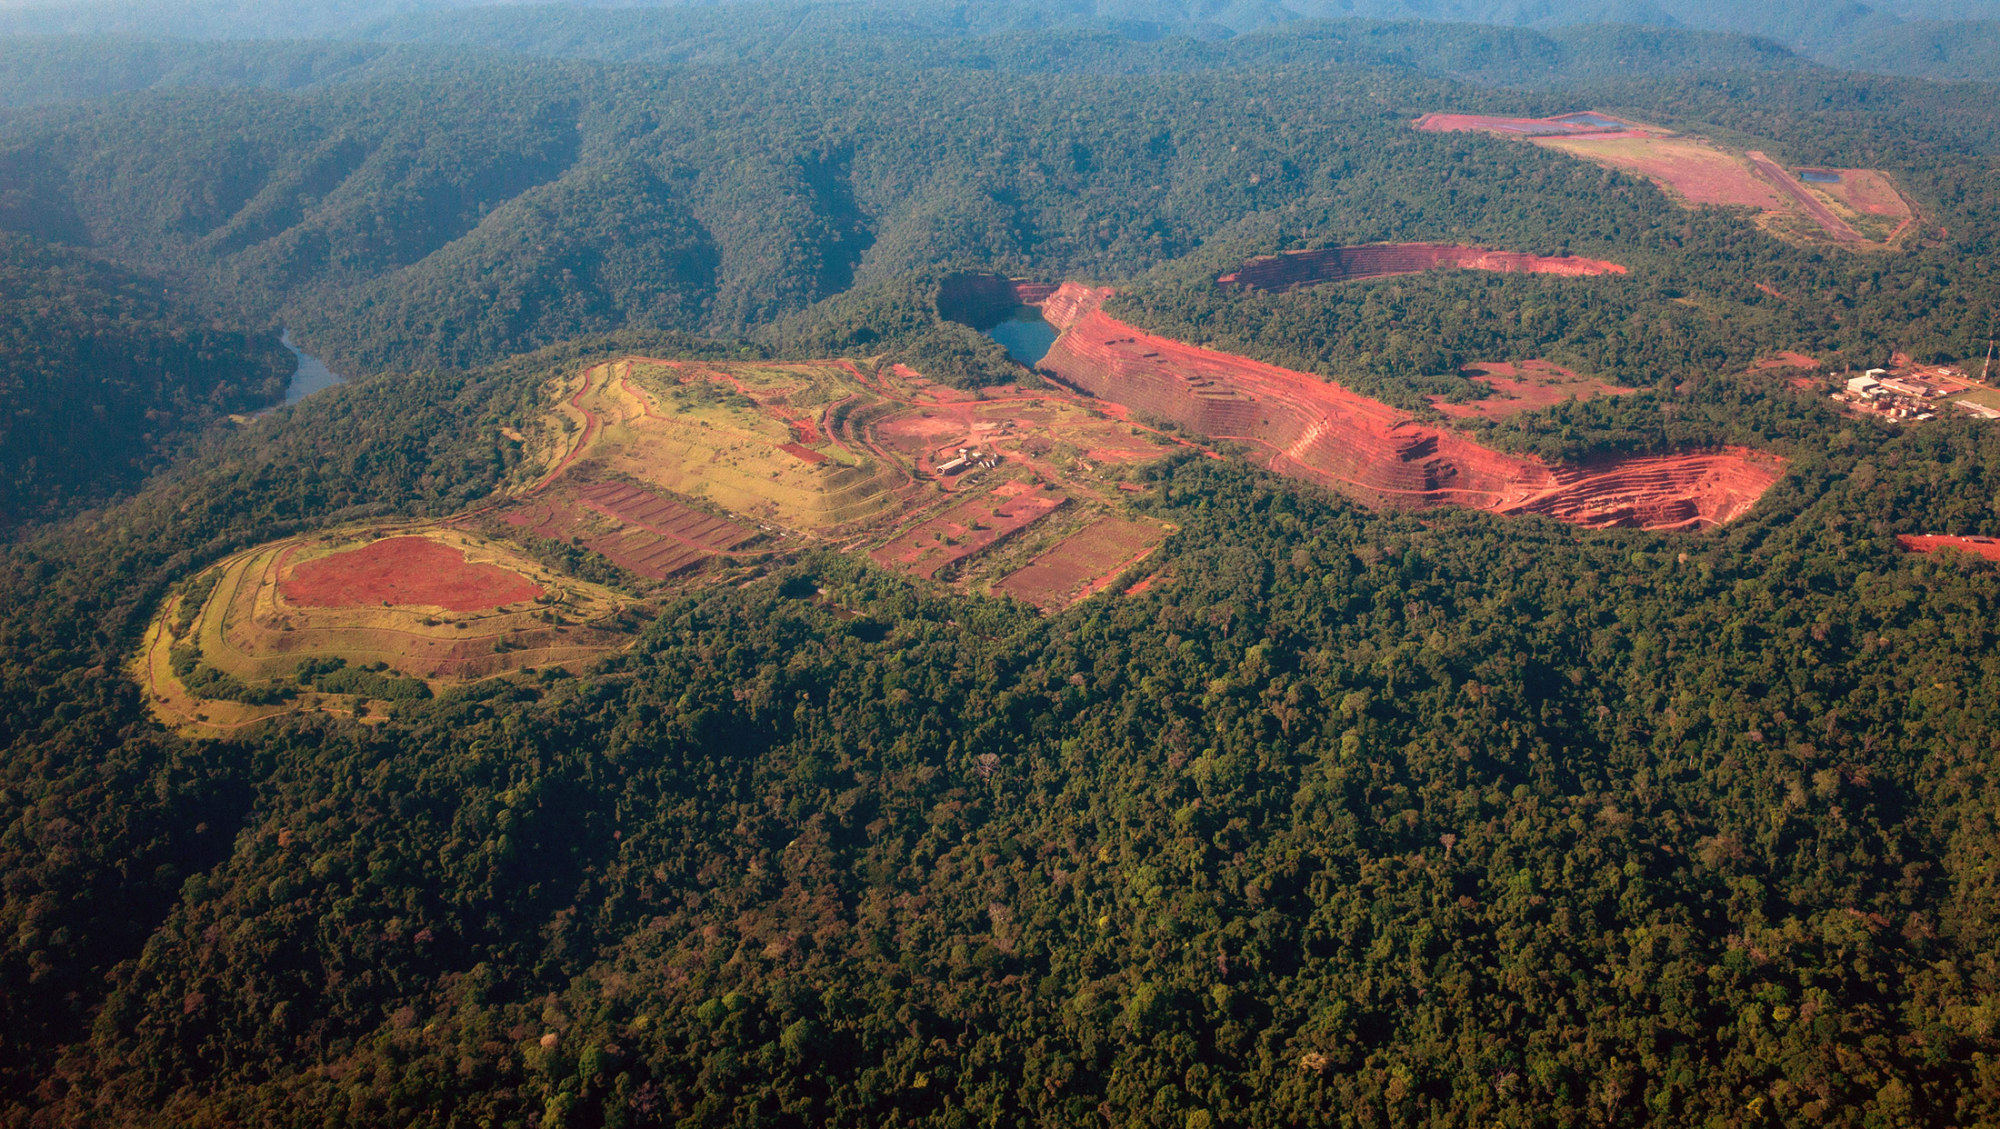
(1317, 430)
(678, 473)
(686, 472)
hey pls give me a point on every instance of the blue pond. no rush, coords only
(312, 376)
(1819, 176)
(1024, 335)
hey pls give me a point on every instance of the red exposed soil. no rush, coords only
(640, 507)
(1710, 177)
(1379, 260)
(967, 528)
(1072, 302)
(1866, 191)
(804, 453)
(1010, 425)
(404, 572)
(1083, 563)
(1528, 386)
(1317, 430)
(1988, 547)
(1586, 124)
(660, 536)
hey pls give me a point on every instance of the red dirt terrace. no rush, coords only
(404, 572)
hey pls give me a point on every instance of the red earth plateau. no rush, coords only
(404, 572)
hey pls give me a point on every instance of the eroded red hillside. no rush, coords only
(1379, 260)
(1317, 430)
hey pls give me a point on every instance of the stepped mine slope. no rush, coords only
(1317, 430)
(1294, 269)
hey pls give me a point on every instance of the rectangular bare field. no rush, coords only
(661, 537)
(967, 528)
(1699, 173)
(1866, 191)
(664, 516)
(1566, 125)
(1082, 563)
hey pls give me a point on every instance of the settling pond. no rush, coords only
(1024, 335)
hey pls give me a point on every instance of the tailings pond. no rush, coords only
(1024, 335)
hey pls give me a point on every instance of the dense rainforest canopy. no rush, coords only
(103, 374)
(1356, 818)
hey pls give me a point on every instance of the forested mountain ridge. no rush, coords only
(1271, 845)
(55, 68)
(355, 211)
(1350, 817)
(1846, 34)
(102, 376)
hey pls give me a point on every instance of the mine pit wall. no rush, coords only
(1294, 269)
(1322, 432)
(1692, 491)
(1313, 429)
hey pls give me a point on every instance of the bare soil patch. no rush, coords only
(1586, 123)
(1527, 386)
(1082, 564)
(405, 572)
(969, 527)
(1783, 360)
(1987, 547)
(1693, 170)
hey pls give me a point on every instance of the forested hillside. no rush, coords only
(1349, 817)
(1947, 38)
(452, 219)
(102, 376)
(1459, 819)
